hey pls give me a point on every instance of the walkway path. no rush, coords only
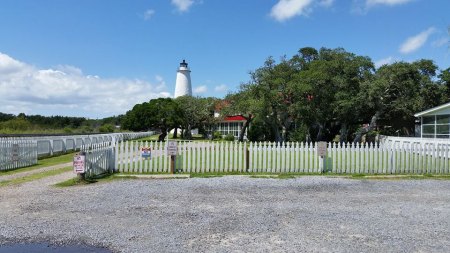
(31, 172)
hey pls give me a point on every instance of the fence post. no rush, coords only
(247, 157)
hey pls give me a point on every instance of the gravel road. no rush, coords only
(233, 214)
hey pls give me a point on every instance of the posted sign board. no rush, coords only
(146, 152)
(172, 148)
(78, 163)
(322, 148)
(15, 152)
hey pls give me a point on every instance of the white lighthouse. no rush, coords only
(183, 84)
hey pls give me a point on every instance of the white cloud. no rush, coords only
(65, 90)
(363, 6)
(370, 3)
(148, 14)
(221, 88)
(326, 3)
(200, 89)
(417, 41)
(286, 9)
(161, 84)
(183, 5)
(384, 61)
(441, 42)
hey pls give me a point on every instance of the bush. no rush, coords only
(260, 131)
(106, 128)
(229, 137)
(68, 130)
(300, 134)
(17, 124)
(217, 136)
(86, 129)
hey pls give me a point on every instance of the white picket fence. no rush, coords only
(17, 153)
(100, 159)
(264, 157)
(50, 145)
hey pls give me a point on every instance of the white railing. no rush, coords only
(49, 145)
(17, 153)
(264, 157)
(389, 140)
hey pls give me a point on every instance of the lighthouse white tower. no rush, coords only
(183, 84)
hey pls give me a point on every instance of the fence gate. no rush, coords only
(100, 159)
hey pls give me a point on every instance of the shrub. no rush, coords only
(106, 128)
(18, 124)
(217, 136)
(229, 137)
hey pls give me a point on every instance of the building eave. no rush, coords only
(434, 109)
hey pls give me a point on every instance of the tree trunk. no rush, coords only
(283, 133)
(188, 133)
(163, 134)
(175, 133)
(278, 137)
(245, 127)
(363, 131)
(319, 135)
(343, 133)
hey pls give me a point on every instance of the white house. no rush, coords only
(435, 122)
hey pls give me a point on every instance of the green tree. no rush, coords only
(162, 113)
(107, 128)
(444, 79)
(197, 113)
(242, 103)
(398, 91)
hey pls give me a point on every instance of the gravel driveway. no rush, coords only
(233, 214)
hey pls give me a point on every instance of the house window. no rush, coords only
(442, 119)
(428, 120)
(436, 126)
(442, 129)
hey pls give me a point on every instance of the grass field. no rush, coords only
(46, 162)
(34, 176)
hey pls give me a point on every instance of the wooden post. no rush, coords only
(172, 164)
(247, 159)
(322, 152)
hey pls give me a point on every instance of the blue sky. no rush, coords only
(98, 58)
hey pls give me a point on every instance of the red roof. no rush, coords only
(235, 118)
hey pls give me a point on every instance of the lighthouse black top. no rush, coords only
(183, 64)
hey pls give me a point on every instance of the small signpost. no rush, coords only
(146, 152)
(15, 153)
(172, 149)
(322, 152)
(79, 164)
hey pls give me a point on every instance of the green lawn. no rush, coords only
(46, 162)
(35, 176)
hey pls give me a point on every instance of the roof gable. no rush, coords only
(434, 110)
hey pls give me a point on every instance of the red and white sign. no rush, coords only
(78, 163)
(146, 152)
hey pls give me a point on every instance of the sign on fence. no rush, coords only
(15, 152)
(322, 148)
(172, 148)
(146, 152)
(79, 163)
